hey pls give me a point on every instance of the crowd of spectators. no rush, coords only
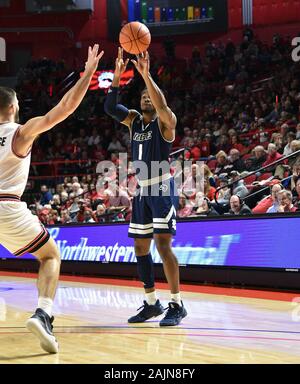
(238, 109)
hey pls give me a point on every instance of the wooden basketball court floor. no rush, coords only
(224, 325)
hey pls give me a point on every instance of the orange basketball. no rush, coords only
(135, 38)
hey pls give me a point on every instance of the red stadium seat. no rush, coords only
(249, 179)
(247, 156)
(265, 176)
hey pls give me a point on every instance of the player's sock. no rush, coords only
(45, 303)
(151, 298)
(176, 298)
(146, 270)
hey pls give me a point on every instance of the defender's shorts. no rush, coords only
(20, 231)
(154, 214)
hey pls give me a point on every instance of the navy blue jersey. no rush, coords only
(147, 142)
(153, 208)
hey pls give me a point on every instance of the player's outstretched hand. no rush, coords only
(142, 64)
(93, 59)
(121, 65)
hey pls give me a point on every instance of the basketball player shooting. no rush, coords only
(152, 134)
(20, 231)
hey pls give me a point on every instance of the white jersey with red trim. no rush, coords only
(14, 169)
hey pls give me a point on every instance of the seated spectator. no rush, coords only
(278, 141)
(209, 175)
(259, 158)
(235, 144)
(224, 193)
(208, 190)
(120, 201)
(81, 213)
(238, 187)
(263, 205)
(273, 155)
(236, 161)
(88, 217)
(192, 183)
(274, 197)
(205, 208)
(285, 199)
(74, 207)
(76, 189)
(287, 149)
(298, 132)
(223, 165)
(53, 217)
(291, 181)
(100, 213)
(95, 138)
(115, 145)
(238, 207)
(46, 195)
(296, 195)
(65, 217)
(55, 203)
(184, 209)
(281, 169)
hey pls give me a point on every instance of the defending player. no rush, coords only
(20, 231)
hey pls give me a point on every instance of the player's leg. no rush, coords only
(170, 264)
(141, 229)
(21, 232)
(41, 322)
(164, 228)
(176, 311)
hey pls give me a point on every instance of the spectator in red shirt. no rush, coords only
(273, 155)
(195, 153)
(209, 191)
(205, 146)
(235, 144)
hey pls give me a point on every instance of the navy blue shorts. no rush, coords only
(154, 214)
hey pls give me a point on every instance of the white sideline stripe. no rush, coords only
(140, 231)
(167, 219)
(140, 226)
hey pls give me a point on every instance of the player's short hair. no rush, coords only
(7, 97)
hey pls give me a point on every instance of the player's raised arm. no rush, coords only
(68, 104)
(166, 116)
(112, 108)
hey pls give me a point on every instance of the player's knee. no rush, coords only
(49, 251)
(163, 247)
(52, 255)
(140, 248)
